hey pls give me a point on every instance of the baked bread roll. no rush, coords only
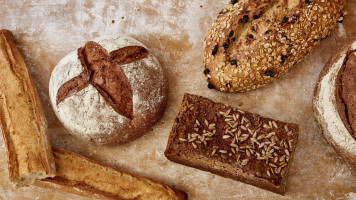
(335, 99)
(23, 123)
(253, 42)
(110, 91)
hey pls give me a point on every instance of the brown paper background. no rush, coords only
(46, 31)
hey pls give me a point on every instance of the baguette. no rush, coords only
(23, 124)
(232, 143)
(253, 42)
(79, 175)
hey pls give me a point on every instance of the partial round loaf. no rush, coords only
(333, 99)
(110, 91)
(253, 42)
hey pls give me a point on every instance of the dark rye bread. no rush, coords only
(232, 143)
(334, 101)
(345, 92)
(253, 42)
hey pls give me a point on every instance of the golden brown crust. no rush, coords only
(252, 43)
(79, 175)
(232, 143)
(23, 123)
(343, 151)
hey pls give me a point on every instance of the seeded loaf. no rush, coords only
(334, 102)
(110, 91)
(23, 124)
(232, 143)
(253, 42)
(79, 175)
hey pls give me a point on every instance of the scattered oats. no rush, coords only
(278, 170)
(196, 129)
(235, 125)
(266, 126)
(234, 145)
(226, 137)
(206, 122)
(197, 122)
(274, 124)
(192, 139)
(182, 139)
(286, 128)
(261, 137)
(275, 160)
(271, 134)
(250, 131)
(261, 145)
(238, 133)
(194, 145)
(268, 173)
(272, 165)
(290, 144)
(213, 152)
(248, 153)
(233, 150)
(222, 151)
(243, 128)
(244, 162)
(286, 151)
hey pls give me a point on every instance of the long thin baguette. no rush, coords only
(80, 175)
(23, 124)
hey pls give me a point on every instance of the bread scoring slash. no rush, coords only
(111, 91)
(253, 42)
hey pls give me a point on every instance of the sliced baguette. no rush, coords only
(23, 124)
(80, 175)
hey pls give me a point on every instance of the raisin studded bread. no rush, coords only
(253, 42)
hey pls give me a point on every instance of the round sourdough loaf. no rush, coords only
(253, 42)
(110, 91)
(334, 102)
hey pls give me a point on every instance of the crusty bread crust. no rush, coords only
(80, 175)
(23, 123)
(340, 138)
(253, 42)
(179, 148)
(79, 111)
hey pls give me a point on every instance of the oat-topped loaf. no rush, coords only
(232, 143)
(253, 42)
